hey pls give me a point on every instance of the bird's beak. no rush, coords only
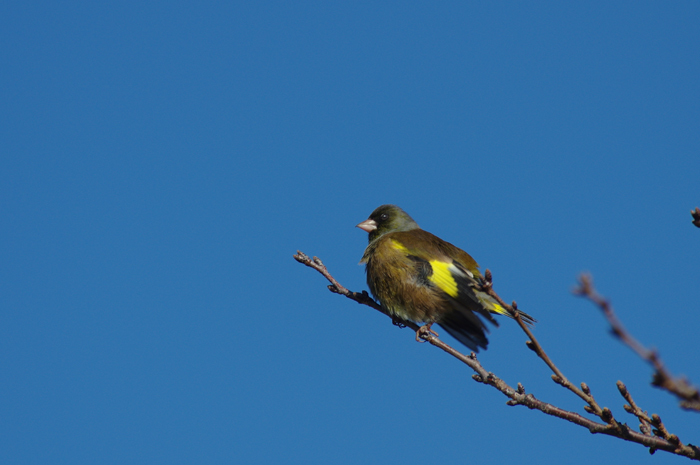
(368, 225)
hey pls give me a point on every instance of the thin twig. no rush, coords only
(518, 396)
(558, 377)
(642, 416)
(680, 387)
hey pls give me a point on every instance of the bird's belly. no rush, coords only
(411, 313)
(415, 303)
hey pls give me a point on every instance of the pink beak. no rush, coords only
(368, 225)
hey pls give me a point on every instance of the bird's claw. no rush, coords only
(425, 332)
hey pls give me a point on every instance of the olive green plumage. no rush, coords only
(417, 276)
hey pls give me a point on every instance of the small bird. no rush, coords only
(418, 277)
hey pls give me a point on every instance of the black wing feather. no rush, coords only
(462, 323)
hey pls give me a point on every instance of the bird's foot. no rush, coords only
(398, 322)
(425, 331)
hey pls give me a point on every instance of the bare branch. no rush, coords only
(660, 440)
(644, 420)
(558, 377)
(335, 287)
(680, 387)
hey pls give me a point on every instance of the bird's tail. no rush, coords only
(492, 306)
(467, 328)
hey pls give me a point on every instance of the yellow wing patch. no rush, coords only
(490, 305)
(398, 245)
(442, 277)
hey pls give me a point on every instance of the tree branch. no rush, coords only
(680, 387)
(659, 440)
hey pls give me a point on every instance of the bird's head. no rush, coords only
(387, 219)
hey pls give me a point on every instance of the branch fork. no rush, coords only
(652, 432)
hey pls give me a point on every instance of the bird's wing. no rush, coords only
(448, 275)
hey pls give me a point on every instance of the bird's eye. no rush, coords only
(384, 216)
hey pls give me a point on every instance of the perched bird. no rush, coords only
(418, 277)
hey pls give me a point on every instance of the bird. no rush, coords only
(418, 277)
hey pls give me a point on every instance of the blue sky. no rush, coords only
(162, 161)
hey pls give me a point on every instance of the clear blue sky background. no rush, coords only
(162, 161)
